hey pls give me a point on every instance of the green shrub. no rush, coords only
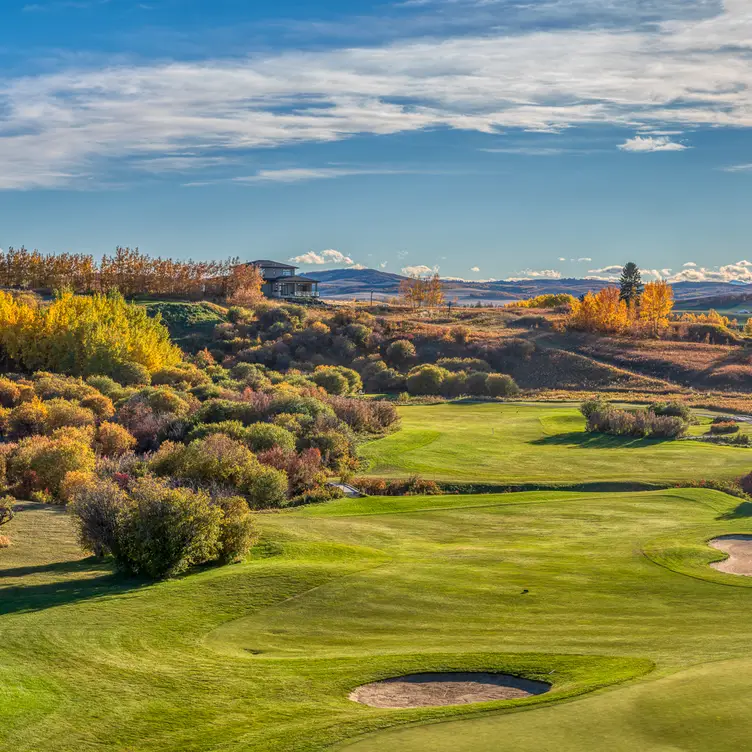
(263, 436)
(237, 529)
(218, 460)
(40, 462)
(131, 373)
(463, 364)
(61, 412)
(7, 509)
(426, 379)
(400, 353)
(672, 409)
(501, 385)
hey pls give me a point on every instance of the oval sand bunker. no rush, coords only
(739, 550)
(432, 690)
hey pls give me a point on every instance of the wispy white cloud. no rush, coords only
(302, 174)
(584, 259)
(685, 70)
(383, 264)
(651, 143)
(689, 265)
(738, 168)
(474, 269)
(329, 256)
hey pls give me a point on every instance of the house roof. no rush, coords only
(291, 278)
(276, 264)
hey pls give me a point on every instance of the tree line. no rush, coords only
(128, 271)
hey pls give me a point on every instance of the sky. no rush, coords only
(484, 139)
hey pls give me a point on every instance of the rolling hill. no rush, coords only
(359, 283)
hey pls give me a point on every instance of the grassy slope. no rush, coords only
(520, 443)
(261, 656)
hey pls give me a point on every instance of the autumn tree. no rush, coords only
(656, 305)
(630, 284)
(603, 311)
(244, 285)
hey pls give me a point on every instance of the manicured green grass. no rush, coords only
(536, 443)
(261, 656)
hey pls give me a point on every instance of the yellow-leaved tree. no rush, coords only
(656, 304)
(83, 335)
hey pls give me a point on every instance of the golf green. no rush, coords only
(520, 443)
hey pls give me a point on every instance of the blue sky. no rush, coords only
(485, 138)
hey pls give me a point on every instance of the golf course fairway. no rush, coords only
(519, 443)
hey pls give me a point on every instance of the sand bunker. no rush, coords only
(431, 690)
(739, 549)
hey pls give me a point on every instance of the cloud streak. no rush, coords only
(62, 128)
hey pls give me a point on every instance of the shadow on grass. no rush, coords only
(740, 512)
(595, 441)
(99, 580)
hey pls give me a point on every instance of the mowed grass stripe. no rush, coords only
(519, 444)
(261, 656)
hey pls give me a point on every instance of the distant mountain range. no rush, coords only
(360, 283)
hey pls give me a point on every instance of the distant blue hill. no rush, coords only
(360, 283)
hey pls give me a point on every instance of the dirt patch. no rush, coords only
(739, 549)
(432, 690)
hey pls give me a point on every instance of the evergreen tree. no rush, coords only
(630, 284)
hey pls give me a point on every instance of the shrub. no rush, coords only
(501, 385)
(463, 364)
(304, 471)
(107, 386)
(7, 509)
(400, 353)
(672, 409)
(413, 486)
(476, 384)
(589, 407)
(237, 530)
(221, 410)
(4, 541)
(643, 423)
(724, 427)
(263, 436)
(100, 405)
(40, 462)
(179, 374)
(130, 373)
(73, 483)
(166, 530)
(27, 419)
(219, 461)
(330, 379)
(61, 412)
(455, 384)
(365, 416)
(10, 394)
(113, 440)
(426, 379)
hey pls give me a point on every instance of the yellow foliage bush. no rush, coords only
(83, 335)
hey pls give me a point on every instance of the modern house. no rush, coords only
(281, 281)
